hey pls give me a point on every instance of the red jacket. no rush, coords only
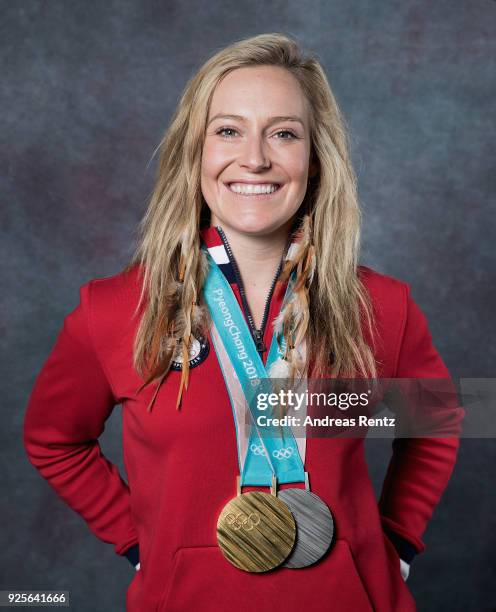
(181, 465)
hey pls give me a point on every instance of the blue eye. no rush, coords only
(287, 132)
(225, 129)
(223, 132)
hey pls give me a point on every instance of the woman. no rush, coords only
(254, 182)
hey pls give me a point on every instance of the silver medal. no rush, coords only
(314, 526)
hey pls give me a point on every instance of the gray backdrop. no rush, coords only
(88, 89)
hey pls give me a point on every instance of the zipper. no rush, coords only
(257, 334)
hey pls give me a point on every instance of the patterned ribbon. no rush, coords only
(270, 449)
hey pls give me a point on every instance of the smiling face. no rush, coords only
(255, 159)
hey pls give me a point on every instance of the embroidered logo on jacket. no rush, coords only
(198, 352)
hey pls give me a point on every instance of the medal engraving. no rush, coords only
(256, 531)
(241, 521)
(314, 527)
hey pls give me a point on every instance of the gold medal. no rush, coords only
(256, 531)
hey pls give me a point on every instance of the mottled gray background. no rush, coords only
(88, 89)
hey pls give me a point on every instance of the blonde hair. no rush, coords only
(330, 302)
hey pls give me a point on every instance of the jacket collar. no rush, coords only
(218, 247)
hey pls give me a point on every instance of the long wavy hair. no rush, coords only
(330, 303)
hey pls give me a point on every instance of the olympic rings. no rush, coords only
(257, 449)
(240, 520)
(283, 453)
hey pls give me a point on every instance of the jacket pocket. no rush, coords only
(394, 563)
(202, 579)
(133, 591)
(394, 558)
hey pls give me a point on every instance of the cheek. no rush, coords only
(296, 165)
(212, 165)
(214, 159)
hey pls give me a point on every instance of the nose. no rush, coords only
(254, 156)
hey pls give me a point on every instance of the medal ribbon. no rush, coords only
(271, 449)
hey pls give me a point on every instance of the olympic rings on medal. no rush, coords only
(256, 531)
(247, 522)
(283, 453)
(257, 449)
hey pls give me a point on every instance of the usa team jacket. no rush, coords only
(181, 465)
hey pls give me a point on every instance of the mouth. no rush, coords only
(259, 191)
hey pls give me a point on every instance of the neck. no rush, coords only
(257, 257)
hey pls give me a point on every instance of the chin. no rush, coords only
(255, 226)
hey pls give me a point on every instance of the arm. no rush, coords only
(69, 404)
(420, 468)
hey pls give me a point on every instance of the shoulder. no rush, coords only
(114, 294)
(389, 297)
(125, 285)
(383, 286)
(111, 305)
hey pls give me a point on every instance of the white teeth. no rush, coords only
(247, 188)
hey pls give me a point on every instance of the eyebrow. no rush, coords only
(272, 120)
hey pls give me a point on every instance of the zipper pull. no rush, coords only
(259, 343)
